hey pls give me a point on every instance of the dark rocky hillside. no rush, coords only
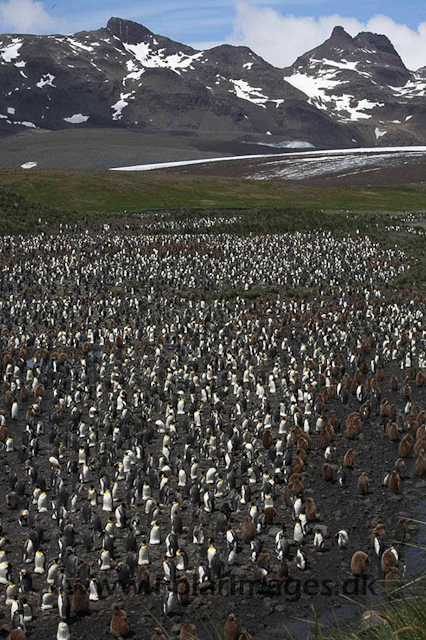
(347, 92)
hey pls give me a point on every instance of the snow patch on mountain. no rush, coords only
(149, 58)
(243, 90)
(319, 89)
(379, 133)
(121, 104)
(46, 80)
(77, 118)
(412, 89)
(11, 51)
(23, 123)
(75, 44)
(135, 72)
(345, 64)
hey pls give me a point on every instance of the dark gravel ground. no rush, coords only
(106, 148)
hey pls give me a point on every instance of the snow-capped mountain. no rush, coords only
(348, 91)
(363, 80)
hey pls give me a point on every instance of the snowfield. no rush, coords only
(303, 164)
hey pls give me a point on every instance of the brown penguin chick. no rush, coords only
(392, 411)
(420, 444)
(413, 425)
(305, 436)
(353, 428)
(267, 438)
(394, 482)
(420, 466)
(420, 379)
(357, 377)
(418, 430)
(394, 383)
(349, 459)
(17, 634)
(331, 391)
(296, 433)
(296, 488)
(248, 530)
(295, 477)
(231, 628)
(183, 591)
(80, 600)
(364, 368)
(405, 446)
(8, 397)
(327, 472)
(3, 433)
(392, 578)
(406, 390)
(392, 431)
(324, 439)
(388, 561)
(378, 531)
(188, 631)
(300, 453)
(271, 515)
(401, 529)
(303, 440)
(365, 410)
(264, 562)
(158, 634)
(143, 580)
(321, 379)
(118, 627)
(379, 375)
(62, 358)
(302, 444)
(39, 391)
(400, 466)
(297, 464)
(333, 420)
(359, 563)
(25, 393)
(329, 429)
(384, 408)
(353, 417)
(363, 482)
(310, 510)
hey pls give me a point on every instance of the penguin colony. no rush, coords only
(152, 429)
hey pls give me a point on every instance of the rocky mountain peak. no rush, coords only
(128, 31)
(379, 44)
(339, 33)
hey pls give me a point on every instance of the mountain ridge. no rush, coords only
(346, 92)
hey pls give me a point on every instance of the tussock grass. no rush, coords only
(115, 191)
